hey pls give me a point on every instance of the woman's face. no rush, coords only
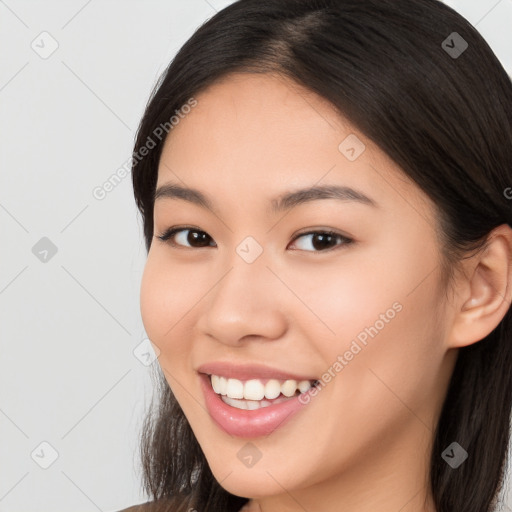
(266, 294)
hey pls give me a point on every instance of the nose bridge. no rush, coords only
(244, 301)
(248, 275)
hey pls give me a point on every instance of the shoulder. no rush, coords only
(174, 504)
(151, 506)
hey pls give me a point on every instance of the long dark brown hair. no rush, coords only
(389, 67)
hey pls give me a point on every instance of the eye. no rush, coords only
(323, 240)
(320, 241)
(195, 236)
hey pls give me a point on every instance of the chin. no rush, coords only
(252, 483)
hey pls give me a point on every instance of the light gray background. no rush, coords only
(69, 325)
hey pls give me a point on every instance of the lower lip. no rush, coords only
(246, 423)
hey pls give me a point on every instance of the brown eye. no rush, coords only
(322, 241)
(192, 236)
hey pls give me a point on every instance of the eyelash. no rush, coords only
(169, 233)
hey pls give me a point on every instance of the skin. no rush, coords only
(364, 441)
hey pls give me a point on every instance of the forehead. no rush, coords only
(249, 110)
(253, 135)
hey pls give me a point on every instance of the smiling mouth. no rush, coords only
(255, 394)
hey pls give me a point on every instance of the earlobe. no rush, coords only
(488, 291)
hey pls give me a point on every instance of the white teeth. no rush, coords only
(272, 389)
(235, 388)
(223, 385)
(255, 390)
(289, 388)
(216, 383)
(304, 385)
(250, 404)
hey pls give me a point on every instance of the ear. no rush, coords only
(485, 293)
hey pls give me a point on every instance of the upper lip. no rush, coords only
(249, 371)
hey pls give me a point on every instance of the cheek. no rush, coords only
(345, 297)
(151, 299)
(166, 296)
(378, 311)
(392, 356)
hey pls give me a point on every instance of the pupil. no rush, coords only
(197, 236)
(322, 238)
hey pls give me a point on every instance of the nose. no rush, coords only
(247, 303)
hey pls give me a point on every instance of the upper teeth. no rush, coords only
(254, 389)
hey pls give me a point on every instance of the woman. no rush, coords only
(325, 187)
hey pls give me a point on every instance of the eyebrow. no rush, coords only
(282, 203)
